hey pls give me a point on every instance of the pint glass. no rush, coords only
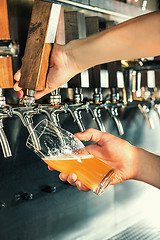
(62, 151)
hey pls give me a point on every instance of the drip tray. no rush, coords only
(140, 231)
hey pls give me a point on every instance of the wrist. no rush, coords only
(148, 168)
(72, 58)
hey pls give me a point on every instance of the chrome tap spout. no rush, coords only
(25, 114)
(4, 142)
(34, 137)
(78, 119)
(97, 115)
(76, 110)
(4, 113)
(113, 112)
(73, 111)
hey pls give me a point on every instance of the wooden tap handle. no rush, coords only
(41, 34)
(75, 28)
(6, 72)
(144, 82)
(157, 74)
(112, 66)
(92, 27)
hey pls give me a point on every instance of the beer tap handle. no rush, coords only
(92, 27)
(145, 111)
(55, 97)
(76, 29)
(157, 82)
(41, 34)
(4, 142)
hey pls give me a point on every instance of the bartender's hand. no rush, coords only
(116, 152)
(62, 69)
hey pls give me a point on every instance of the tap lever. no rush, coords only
(145, 110)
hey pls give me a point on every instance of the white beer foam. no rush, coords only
(62, 157)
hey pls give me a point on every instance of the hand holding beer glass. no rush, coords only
(64, 152)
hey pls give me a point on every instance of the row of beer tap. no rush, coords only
(116, 100)
(98, 78)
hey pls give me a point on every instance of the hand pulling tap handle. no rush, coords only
(6, 72)
(41, 34)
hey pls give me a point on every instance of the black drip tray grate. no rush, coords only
(139, 231)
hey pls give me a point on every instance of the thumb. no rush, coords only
(40, 94)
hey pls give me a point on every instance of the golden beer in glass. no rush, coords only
(62, 151)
